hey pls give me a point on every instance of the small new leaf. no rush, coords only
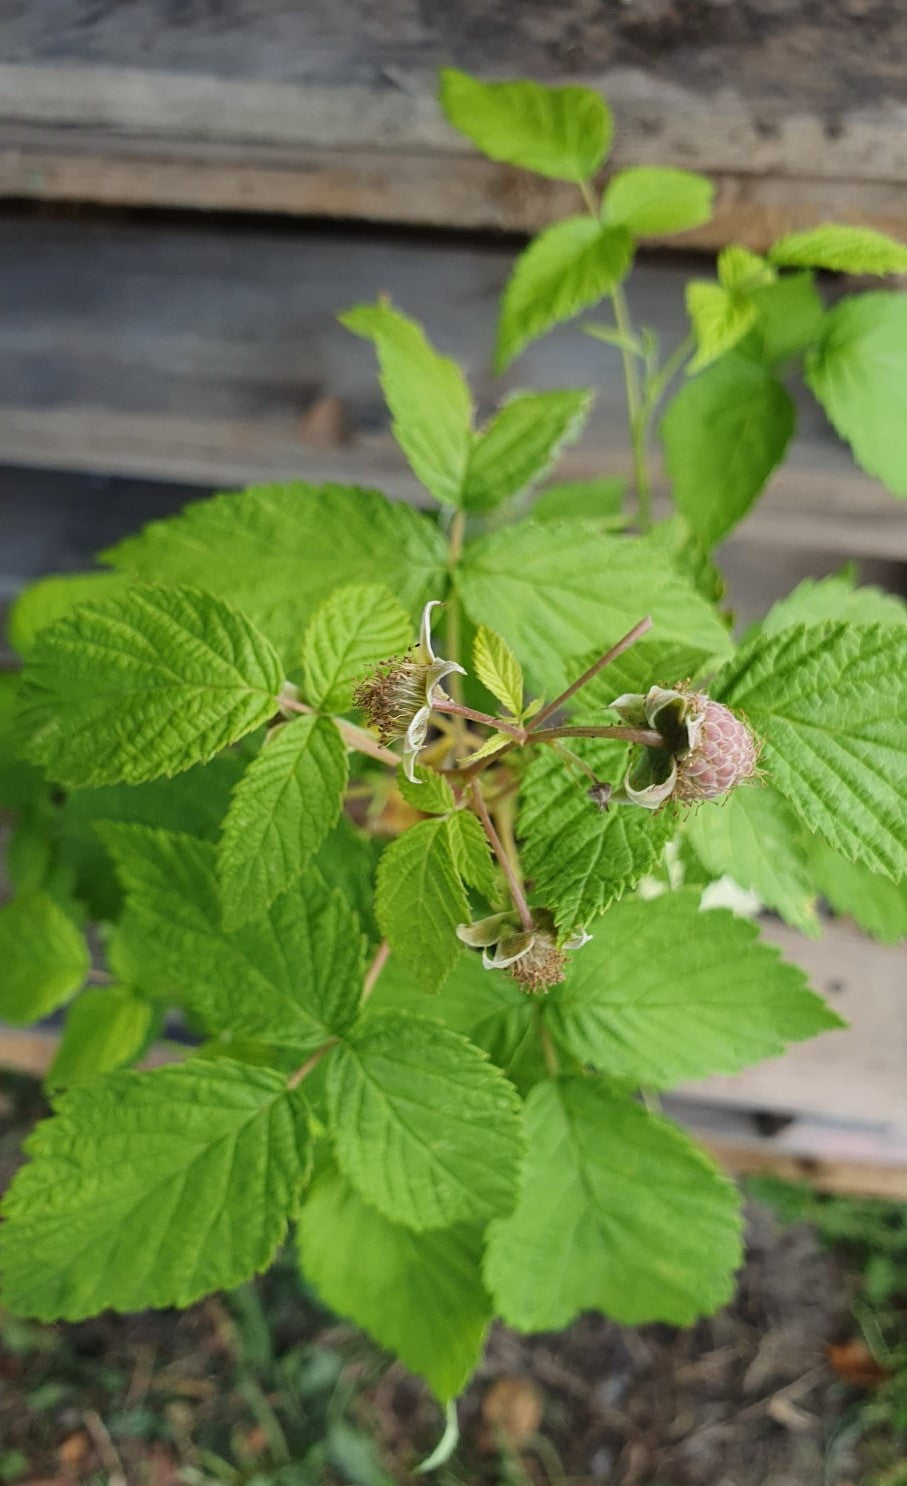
(420, 901)
(719, 317)
(651, 201)
(471, 853)
(349, 634)
(563, 133)
(498, 668)
(432, 793)
(518, 446)
(44, 958)
(105, 1029)
(841, 248)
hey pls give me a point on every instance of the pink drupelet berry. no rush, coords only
(724, 755)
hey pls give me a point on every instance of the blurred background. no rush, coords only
(190, 190)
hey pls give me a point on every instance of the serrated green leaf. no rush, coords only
(687, 555)
(876, 904)
(563, 133)
(858, 372)
(651, 200)
(755, 838)
(350, 632)
(348, 860)
(568, 268)
(277, 550)
(498, 668)
(619, 1211)
(44, 958)
(842, 248)
(471, 853)
(292, 977)
(836, 597)
(790, 315)
(490, 746)
(420, 900)
(281, 810)
(830, 702)
(556, 591)
(520, 443)
(425, 1128)
(719, 317)
(49, 599)
(419, 1294)
(152, 1189)
(194, 802)
(427, 395)
(664, 993)
(21, 785)
(595, 500)
(723, 434)
(144, 685)
(432, 794)
(579, 858)
(105, 1028)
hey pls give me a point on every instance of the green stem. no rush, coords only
(500, 725)
(453, 638)
(636, 412)
(497, 846)
(304, 1069)
(549, 1051)
(354, 736)
(646, 737)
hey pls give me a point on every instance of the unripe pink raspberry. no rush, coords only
(706, 749)
(724, 754)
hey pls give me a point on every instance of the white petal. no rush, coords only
(426, 654)
(577, 939)
(414, 742)
(436, 674)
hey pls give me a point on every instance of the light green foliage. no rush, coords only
(498, 668)
(723, 434)
(878, 905)
(756, 839)
(281, 810)
(742, 270)
(554, 590)
(564, 133)
(471, 855)
(427, 395)
(836, 597)
(719, 319)
(153, 1189)
(292, 976)
(432, 794)
(842, 248)
(830, 701)
(664, 993)
(21, 785)
(520, 443)
(420, 900)
(858, 372)
(579, 858)
(43, 958)
(105, 1028)
(596, 500)
(350, 633)
(194, 802)
(419, 1294)
(651, 200)
(425, 1128)
(347, 860)
(277, 550)
(618, 1211)
(790, 315)
(53, 598)
(567, 268)
(144, 685)
(688, 555)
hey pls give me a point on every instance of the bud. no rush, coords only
(398, 695)
(531, 957)
(707, 751)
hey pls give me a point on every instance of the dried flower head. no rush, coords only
(398, 695)
(531, 957)
(708, 750)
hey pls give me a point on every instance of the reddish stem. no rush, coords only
(623, 644)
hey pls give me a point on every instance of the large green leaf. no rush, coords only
(650, 200)
(281, 810)
(53, 598)
(520, 443)
(564, 133)
(618, 1212)
(859, 374)
(292, 976)
(567, 268)
(153, 1189)
(836, 597)
(144, 685)
(43, 958)
(723, 434)
(878, 905)
(790, 316)
(350, 633)
(106, 1028)
(830, 702)
(420, 900)
(277, 550)
(425, 1128)
(665, 992)
(419, 1294)
(842, 248)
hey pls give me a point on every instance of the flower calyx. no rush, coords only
(707, 749)
(532, 957)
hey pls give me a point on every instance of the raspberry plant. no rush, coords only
(414, 815)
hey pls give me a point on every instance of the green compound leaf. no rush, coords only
(471, 853)
(43, 958)
(432, 795)
(520, 443)
(836, 597)
(841, 248)
(564, 270)
(427, 395)
(664, 993)
(563, 133)
(876, 904)
(652, 200)
(420, 901)
(281, 810)
(276, 551)
(144, 685)
(557, 590)
(152, 1189)
(349, 634)
(292, 977)
(618, 1212)
(105, 1028)
(723, 434)
(579, 858)
(53, 598)
(498, 668)
(719, 317)
(830, 702)
(418, 1294)
(859, 374)
(425, 1128)
(756, 839)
